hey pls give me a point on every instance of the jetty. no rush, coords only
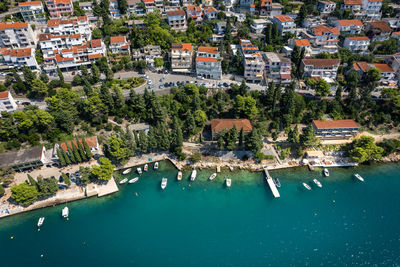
(271, 184)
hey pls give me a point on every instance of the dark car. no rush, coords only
(225, 85)
(166, 84)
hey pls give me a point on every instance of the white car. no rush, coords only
(149, 82)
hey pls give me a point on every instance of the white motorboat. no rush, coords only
(133, 180)
(164, 183)
(193, 176)
(146, 167)
(139, 170)
(277, 182)
(318, 183)
(307, 186)
(359, 177)
(65, 212)
(179, 177)
(212, 176)
(156, 166)
(326, 172)
(231, 168)
(123, 181)
(40, 221)
(228, 182)
(127, 171)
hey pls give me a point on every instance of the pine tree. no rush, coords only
(308, 138)
(31, 180)
(76, 153)
(70, 153)
(66, 157)
(61, 158)
(144, 142)
(66, 179)
(89, 154)
(176, 135)
(190, 124)
(106, 98)
(241, 137)
(254, 141)
(163, 140)
(81, 151)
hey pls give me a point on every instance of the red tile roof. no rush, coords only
(361, 65)
(348, 22)
(218, 125)
(319, 62)
(302, 42)
(208, 49)
(359, 38)
(91, 141)
(33, 3)
(95, 56)
(22, 52)
(381, 25)
(264, 3)
(322, 29)
(383, 67)
(335, 124)
(353, 2)
(14, 25)
(117, 39)
(176, 13)
(4, 95)
(95, 43)
(207, 59)
(194, 8)
(283, 18)
(182, 46)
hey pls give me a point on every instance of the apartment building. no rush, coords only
(220, 27)
(18, 58)
(323, 68)
(181, 57)
(335, 129)
(195, 12)
(150, 5)
(277, 68)
(147, 53)
(302, 44)
(49, 42)
(119, 45)
(349, 26)
(134, 8)
(32, 11)
(246, 47)
(7, 102)
(326, 6)
(70, 26)
(177, 20)
(326, 35)
(354, 6)
(388, 75)
(59, 8)
(208, 63)
(265, 7)
(16, 35)
(394, 63)
(246, 3)
(372, 9)
(114, 9)
(210, 13)
(285, 24)
(258, 25)
(254, 67)
(378, 30)
(357, 44)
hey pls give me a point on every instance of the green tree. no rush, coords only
(293, 136)
(29, 76)
(85, 175)
(158, 62)
(176, 135)
(39, 87)
(66, 157)
(81, 150)
(97, 34)
(24, 194)
(76, 153)
(116, 149)
(143, 141)
(245, 107)
(71, 153)
(31, 180)
(308, 138)
(60, 75)
(2, 191)
(95, 71)
(47, 187)
(66, 179)
(123, 6)
(323, 88)
(373, 75)
(364, 149)
(44, 77)
(87, 149)
(241, 137)
(190, 124)
(254, 141)
(104, 171)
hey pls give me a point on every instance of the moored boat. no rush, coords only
(231, 168)
(123, 181)
(179, 176)
(277, 182)
(65, 212)
(326, 172)
(40, 221)
(359, 177)
(146, 167)
(127, 171)
(318, 183)
(133, 180)
(212, 176)
(156, 165)
(164, 183)
(307, 186)
(193, 176)
(228, 182)
(139, 170)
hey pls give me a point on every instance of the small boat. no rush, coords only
(139, 170)
(231, 168)
(65, 212)
(212, 176)
(359, 177)
(156, 166)
(179, 177)
(318, 183)
(326, 172)
(193, 176)
(123, 181)
(307, 186)
(133, 180)
(164, 183)
(228, 182)
(127, 171)
(40, 221)
(277, 182)
(146, 167)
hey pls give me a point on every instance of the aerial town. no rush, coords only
(89, 88)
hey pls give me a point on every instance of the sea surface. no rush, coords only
(203, 223)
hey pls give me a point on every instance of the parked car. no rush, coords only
(166, 84)
(149, 82)
(220, 84)
(225, 85)
(161, 86)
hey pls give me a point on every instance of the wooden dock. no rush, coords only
(271, 184)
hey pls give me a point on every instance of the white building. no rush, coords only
(16, 35)
(277, 68)
(177, 20)
(70, 26)
(134, 7)
(388, 74)
(285, 24)
(119, 45)
(326, 6)
(195, 12)
(349, 26)
(32, 11)
(210, 13)
(354, 6)
(181, 57)
(18, 58)
(254, 68)
(357, 44)
(7, 102)
(258, 25)
(208, 63)
(372, 9)
(322, 68)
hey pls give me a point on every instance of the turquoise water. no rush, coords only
(344, 223)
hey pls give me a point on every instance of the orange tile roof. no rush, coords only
(176, 13)
(383, 67)
(396, 33)
(95, 43)
(207, 59)
(74, 36)
(359, 38)
(211, 9)
(319, 62)
(208, 49)
(22, 52)
(283, 18)
(353, 2)
(302, 42)
(194, 8)
(62, 1)
(32, 3)
(253, 6)
(59, 58)
(95, 56)
(348, 22)
(264, 2)
(4, 95)
(182, 46)
(361, 65)
(321, 29)
(117, 39)
(381, 25)
(218, 125)
(91, 141)
(335, 124)
(14, 25)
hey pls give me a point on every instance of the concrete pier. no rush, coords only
(271, 184)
